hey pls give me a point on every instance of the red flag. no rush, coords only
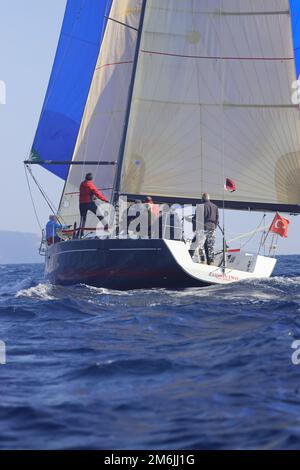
(280, 226)
(230, 185)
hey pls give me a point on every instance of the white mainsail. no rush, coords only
(212, 99)
(102, 126)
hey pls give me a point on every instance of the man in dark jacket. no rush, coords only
(88, 194)
(207, 242)
(211, 222)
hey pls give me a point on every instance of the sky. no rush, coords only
(29, 31)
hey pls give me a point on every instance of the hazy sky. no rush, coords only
(29, 31)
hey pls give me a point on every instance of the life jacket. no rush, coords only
(154, 209)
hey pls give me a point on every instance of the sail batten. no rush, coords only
(182, 56)
(252, 13)
(175, 103)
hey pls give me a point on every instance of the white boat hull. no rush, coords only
(239, 266)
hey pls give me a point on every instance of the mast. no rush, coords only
(116, 190)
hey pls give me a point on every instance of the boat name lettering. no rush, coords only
(224, 277)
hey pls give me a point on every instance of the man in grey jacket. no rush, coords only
(206, 247)
(211, 221)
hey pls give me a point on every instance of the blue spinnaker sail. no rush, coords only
(78, 49)
(295, 11)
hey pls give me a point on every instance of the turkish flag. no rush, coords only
(280, 226)
(230, 185)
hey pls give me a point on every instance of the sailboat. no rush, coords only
(167, 98)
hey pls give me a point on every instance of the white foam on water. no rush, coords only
(41, 292)
(103, 291)
(249, 291)
(195, 291)
(286, 281)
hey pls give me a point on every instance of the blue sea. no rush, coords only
(207, 368)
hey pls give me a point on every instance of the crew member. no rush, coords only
(208, 239)
(153, 208)
(88, 194)
(52, 228)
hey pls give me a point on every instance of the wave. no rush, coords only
(15, 287)
(40, 292)
(284, 281)
(217, 359)
(136, 367)
(274, 291)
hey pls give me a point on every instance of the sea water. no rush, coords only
(205, 368)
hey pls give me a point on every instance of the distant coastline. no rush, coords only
(19, 248)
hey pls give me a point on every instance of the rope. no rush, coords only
(255, 232)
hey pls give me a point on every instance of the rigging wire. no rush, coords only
(32, 199)
(222, 74)
(43, 193)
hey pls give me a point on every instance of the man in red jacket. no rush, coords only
(88, 194)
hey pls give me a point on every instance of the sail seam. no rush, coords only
(75, 38)
(114, 63)
(252, 13)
